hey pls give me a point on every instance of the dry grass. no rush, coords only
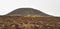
(17, 22)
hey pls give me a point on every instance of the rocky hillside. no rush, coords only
(27, 12)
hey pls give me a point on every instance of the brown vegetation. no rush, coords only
(17, 22)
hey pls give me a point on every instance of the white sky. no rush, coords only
(51, 7)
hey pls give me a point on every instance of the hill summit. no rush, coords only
(27, 12)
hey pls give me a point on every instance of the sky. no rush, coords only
(51, 7)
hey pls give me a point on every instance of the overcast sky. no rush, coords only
(51, 7)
